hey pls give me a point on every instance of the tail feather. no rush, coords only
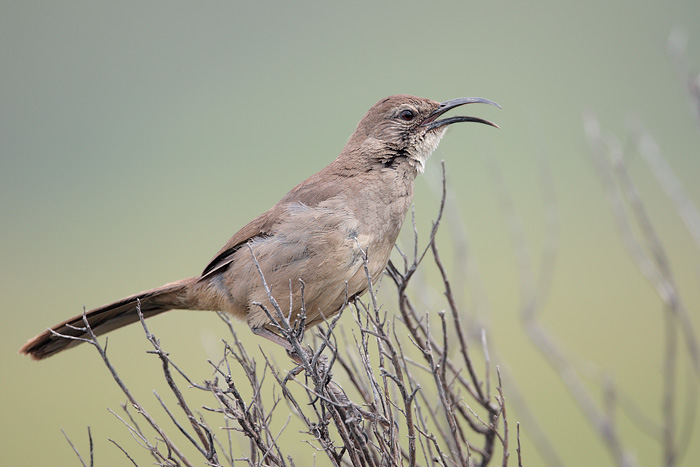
(109, 317)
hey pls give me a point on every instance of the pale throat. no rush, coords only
(425, 147)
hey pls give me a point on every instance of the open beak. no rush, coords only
(432, 123)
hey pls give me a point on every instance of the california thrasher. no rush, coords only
(318, 232)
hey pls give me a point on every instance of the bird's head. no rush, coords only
(409, 127)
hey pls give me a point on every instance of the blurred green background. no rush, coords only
(136, 137)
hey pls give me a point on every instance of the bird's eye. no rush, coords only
(407, 115)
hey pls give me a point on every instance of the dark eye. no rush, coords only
(407, 115)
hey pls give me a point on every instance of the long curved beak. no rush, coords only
(432, 123)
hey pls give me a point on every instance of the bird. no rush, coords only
(318, 237)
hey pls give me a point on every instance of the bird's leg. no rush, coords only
(272, 336)
(262, 331)
(321, 364)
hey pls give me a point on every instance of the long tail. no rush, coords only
(174, 295)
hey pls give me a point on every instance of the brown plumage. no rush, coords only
(316, 232)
